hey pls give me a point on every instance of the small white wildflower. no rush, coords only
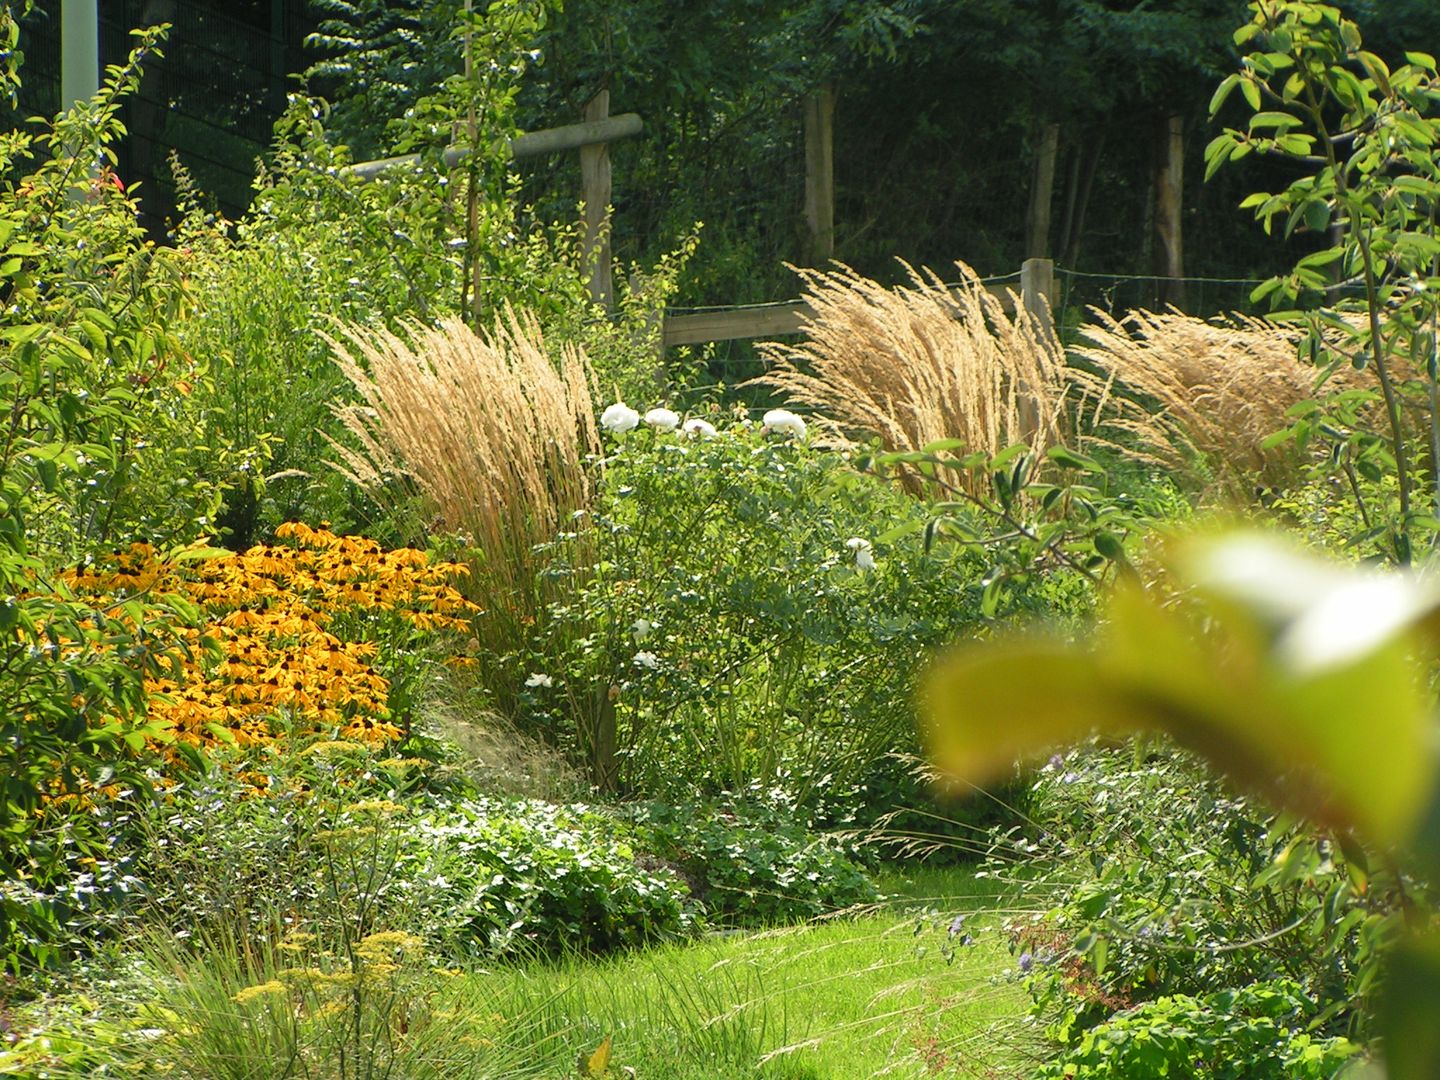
(640, 629)
(784, 422)
(619, 418)
(864, 557)
(647, 660)
(539, 679)
(696, 427)
(662, 419)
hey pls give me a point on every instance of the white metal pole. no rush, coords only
(79, 51)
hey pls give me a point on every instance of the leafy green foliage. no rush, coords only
(754, 865)
(331, 850)
(526, 877)
(722, 632)
(90, 380)
(1366, 135)
(1154, 879)
(1298, 678)
(1255, 1033)
(1269, 634)
(1035, 518)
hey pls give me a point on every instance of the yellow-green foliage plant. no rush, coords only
(352, 1008)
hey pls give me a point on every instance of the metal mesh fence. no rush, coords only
(213, 98)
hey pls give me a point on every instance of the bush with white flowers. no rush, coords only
(750, 614)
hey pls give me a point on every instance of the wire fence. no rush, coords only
(212, 98)
(1118, 293)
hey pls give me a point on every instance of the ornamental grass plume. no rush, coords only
(492, 431)
(1196, 395)
(920, 363)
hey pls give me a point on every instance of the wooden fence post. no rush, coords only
(595, 191)
(1042, 193)
(1037, 297)
(1037, 291)
(1169, 211)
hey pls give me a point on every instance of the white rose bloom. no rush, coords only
(864, 558)
(647, 660)
(537, 679)
(785, 422)
(619, 418)
(662, 419)
(641, 628)
(695, 426)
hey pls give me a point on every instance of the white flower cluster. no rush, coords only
(620, 418)
(784, 422)
(864, 557)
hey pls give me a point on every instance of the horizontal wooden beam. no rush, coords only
(573, 136)
(530, 144)
(735, 324)
(765, 320)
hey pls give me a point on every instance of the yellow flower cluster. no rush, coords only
(266, 649)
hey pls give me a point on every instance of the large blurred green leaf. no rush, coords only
(1295, 676)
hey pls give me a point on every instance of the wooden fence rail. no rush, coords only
(1036, 294)
(529, 144)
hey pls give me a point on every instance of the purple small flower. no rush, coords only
(1026, 963)
(957, 925)
(1054, 763)
(967, 940)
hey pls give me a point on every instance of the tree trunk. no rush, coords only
(1169, 250)
(1094, 150)
(820, 175)
(1042, 193)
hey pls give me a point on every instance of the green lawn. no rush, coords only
(883, 993)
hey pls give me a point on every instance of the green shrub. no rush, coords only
(1152, 878)
(754, 865)
(725, 634)
(339, 846)
(521, 877)
(94, 453)
(1256, 1033)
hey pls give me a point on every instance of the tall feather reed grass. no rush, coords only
(493, 433)
(1201, 397)
(920, 363)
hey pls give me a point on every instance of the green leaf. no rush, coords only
(986, 708)
(1279, 120)
(1251, 90)
(1298, 682)
(1279, 438)
(1109, 545)
(1409, 1009)
(1223, 91)
(1317, 219)
(1069, 459)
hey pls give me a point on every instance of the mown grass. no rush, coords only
(887, 992)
